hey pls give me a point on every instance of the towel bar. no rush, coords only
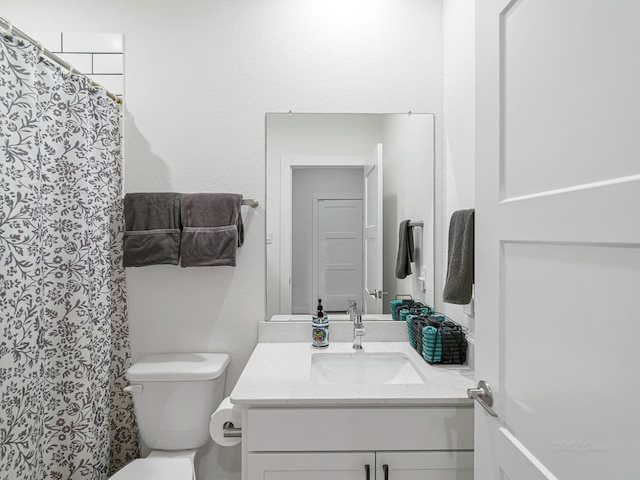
(416, 224)
(251, 202)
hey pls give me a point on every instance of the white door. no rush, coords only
(424, 465)
(337, 252)
(373, 232)
(558, 239)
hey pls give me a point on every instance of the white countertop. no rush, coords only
(280, 374)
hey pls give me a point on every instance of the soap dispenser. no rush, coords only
(320, 328)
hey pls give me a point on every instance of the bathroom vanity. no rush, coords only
(380, 414)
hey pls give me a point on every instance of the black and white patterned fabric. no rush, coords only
(64, 342)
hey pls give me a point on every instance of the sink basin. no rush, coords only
(363, 368)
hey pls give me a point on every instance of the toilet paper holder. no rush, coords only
(231, 431)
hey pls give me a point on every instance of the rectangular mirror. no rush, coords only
(338, 186)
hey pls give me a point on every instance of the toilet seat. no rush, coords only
(156, 468)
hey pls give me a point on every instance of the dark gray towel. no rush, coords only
(458, 287)
(152, 229)
(212, 229)
(405, 250)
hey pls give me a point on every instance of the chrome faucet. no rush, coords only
(355, 316)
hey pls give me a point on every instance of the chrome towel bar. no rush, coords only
(251, 202)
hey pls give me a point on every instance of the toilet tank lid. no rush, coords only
(178, 367)
(156, 468)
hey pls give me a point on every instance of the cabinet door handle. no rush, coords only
(367, 472)
(385, 469)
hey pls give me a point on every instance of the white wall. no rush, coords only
(97, 55)
(408, 195)
(199, 77)
(457, 173)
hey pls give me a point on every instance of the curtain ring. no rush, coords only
(67, 68)
(40, 49)
(9, 31)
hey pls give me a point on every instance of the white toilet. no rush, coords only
(174, 395)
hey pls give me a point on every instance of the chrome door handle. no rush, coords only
(375, 293)
(483, 396)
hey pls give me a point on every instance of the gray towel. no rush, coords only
(152, 229)
(212, 229)
(405, 250)
(458, 287)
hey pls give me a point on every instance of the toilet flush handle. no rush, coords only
(133, 388)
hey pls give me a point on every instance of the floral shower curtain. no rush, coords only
(64, 344)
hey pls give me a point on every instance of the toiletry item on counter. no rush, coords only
(320, 328)
(437, 339)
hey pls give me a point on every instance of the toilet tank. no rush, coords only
(174, 395)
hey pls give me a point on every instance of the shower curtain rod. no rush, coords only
(11, 31)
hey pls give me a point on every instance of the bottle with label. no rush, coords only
(320, 328)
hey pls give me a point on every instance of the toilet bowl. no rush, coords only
(174, 396)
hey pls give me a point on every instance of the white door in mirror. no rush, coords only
(373, 231)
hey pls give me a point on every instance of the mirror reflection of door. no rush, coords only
(320, 268)
(373, 179)
(337, 251)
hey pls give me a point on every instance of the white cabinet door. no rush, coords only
(361, 466)
(424, 465)
(311, 466)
